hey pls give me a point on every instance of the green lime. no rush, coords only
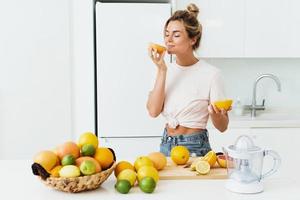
(88, 150)
(147, 184)
(68, 160)
(123, 186)
(87, 167)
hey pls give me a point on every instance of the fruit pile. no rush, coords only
(144, 171)
(71, 160)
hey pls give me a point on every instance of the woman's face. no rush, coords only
(176, 38)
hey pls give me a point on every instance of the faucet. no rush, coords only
(253, 107)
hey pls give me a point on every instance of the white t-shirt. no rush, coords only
(188, 92)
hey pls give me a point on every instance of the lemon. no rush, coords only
(180, 155)
(224, 104)
(193, 165)
(142, 161)
(88, 138)
(148, 171)
(127, 174)
(69, 171)
(211, 158)
(202, 167)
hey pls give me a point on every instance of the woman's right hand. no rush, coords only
(157, 58)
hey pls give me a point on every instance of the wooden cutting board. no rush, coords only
(174, 172)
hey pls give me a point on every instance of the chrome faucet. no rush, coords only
(253, 107)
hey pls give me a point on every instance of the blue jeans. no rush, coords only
(196, 143)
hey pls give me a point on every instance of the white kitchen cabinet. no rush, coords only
(223, 27)
(271, 27)
(35, 76)
(285, 141)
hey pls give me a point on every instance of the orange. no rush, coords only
(104, 156)
(84, 158)
(210, 157)
(147, 171)
(142, 161)
(88, 138)
(123, 165)
(47, 159)
(224, 104)
(160, 49)
(55, 171)
(180, 155)
(159, 160)
(68, 148)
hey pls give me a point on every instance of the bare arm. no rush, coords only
(219, 118)
(156, 97)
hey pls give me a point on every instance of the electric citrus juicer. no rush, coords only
(244, 165)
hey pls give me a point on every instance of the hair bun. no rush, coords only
(193, 9)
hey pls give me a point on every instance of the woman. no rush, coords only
(184, 91)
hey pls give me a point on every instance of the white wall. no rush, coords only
(240, 74)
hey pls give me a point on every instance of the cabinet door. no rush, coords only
(35, 98)
(285, 141)
(219, 140)
(223, 27)
(270, 28)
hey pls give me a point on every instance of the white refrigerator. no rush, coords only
(125, 73)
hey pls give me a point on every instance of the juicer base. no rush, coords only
(244, 188)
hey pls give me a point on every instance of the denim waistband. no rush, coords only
(200, 135)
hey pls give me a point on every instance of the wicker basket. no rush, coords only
(77, 184)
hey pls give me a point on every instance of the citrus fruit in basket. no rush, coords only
(82, 159)
(127, 174)
(142, 161)
(69, 171)
(88, 138)
(87, 167)
(202, 167)
(147, 184)
(68, 160)
(123, 186)
(88, 150)
(47, 159)
(210, 157)
(159, 160)
(55, 171)
(68, 148)
(223, 104)
(149, 171)
(180, 155)
(160, 49)
(123, 165)
(105, 157)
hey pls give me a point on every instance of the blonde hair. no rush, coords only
(189, 19)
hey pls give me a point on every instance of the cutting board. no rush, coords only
(174, 172)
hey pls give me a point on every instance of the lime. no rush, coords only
(68, 160)
(123, 186)
(88, 150)
(147, 184)
(87, 167)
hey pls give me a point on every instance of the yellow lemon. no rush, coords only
(202, 167)
(224, 104)
(211, 158)
(88, 138)
(180, 155)
(142, 161)
(148, 171)
(127, 174)
(122, 165)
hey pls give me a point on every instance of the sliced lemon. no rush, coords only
(211, 158)
(202, 167)
(193, 165)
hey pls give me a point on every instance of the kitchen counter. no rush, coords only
(17, 182)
